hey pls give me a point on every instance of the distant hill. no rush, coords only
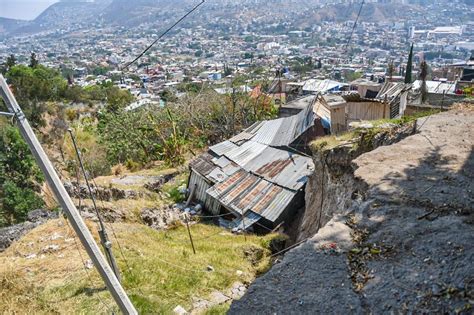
(64, 14)
(9, 25)
(132, 13)
(73, 14)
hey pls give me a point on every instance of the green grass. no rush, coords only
(171, 189)
(406, 119)
(163, 271)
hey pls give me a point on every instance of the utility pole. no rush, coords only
(66, 203)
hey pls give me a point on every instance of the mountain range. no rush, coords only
(70, 15)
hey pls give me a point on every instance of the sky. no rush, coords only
(23, 9)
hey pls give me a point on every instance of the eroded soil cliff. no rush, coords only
(396, 234)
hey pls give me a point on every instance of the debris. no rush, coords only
(88, 264)
(210, 268)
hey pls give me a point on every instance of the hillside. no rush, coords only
(73, 15)
(399, 239)
(61, 15)
(8, 25)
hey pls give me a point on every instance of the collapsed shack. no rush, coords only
(257, 177)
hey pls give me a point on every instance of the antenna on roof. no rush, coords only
(162, 35)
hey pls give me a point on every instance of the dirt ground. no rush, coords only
(408, 247)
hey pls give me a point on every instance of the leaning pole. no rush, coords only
(78, 224)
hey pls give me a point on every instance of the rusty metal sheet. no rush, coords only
(261, 205)
(252, 197)
(238, 189)
(221, 188)
(282, 167)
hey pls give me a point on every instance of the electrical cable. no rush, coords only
(355, 24)
(110, 226)
(163, 34)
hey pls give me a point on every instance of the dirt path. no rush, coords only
(409, 246)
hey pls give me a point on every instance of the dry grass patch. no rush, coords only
(44, 272)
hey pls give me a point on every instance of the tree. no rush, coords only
(11, 62)
(423, 75)
(33, 61)
(390, 70)
(408, 73)
(34, 86)
(320, 65)
(20, 178)
(118, 99)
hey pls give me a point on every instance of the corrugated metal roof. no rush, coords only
(281, 167)
(222, 147)
(246, 152)
(220, 189)
(241, 137)
(217, 175)
(221, 161)
(276, 207)
(244, 193)
(203, 164)
(283, 131)
(238, 189)
(391, 90)
(243, 223)
(321, 86)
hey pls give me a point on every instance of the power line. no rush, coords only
(163, 34)
(355, 24)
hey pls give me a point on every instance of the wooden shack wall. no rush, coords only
(358, 111)
(338, 119)
(202, 185)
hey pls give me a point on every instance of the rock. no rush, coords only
(12, 233)
(200, 305)
(160, 219)
(218, 297)
(50, 248)
(157, 184)
(179, 310)
(238, 290)
(55, 236)
(89, 264)
(31, 256)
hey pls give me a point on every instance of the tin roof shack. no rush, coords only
(359, 109)
(255, 176)
(296, 106)
(366, 88)
(396, 96)
(332, 111)
(439, 94)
